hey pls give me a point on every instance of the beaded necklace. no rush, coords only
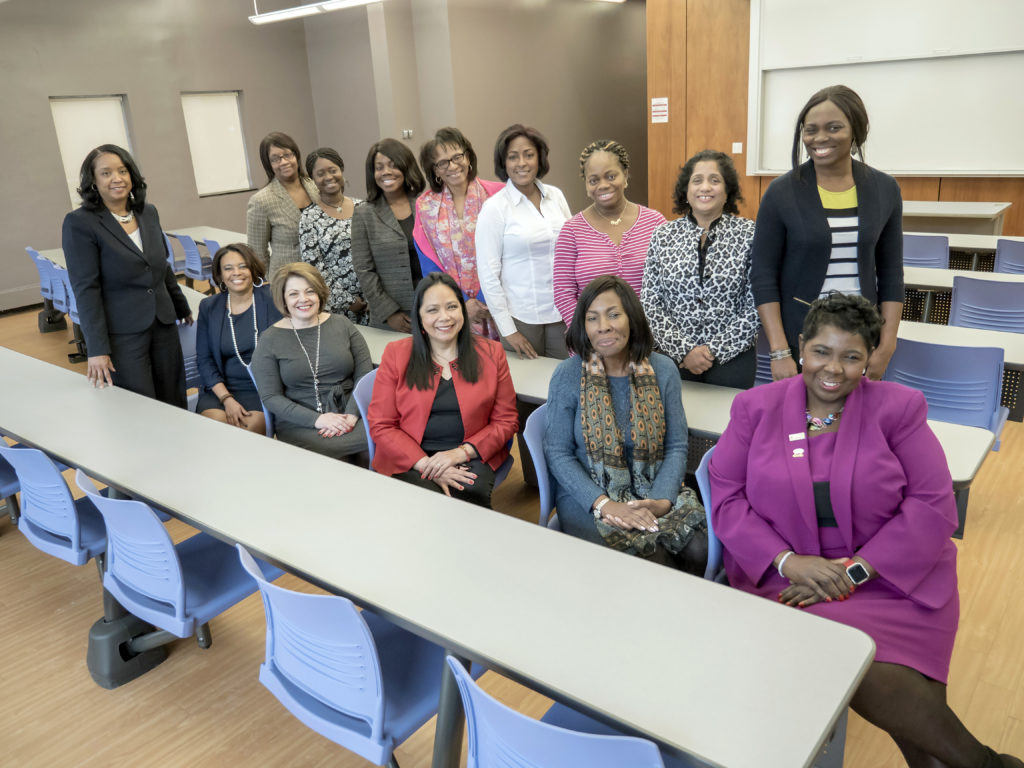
(814, 424)
(255, 331)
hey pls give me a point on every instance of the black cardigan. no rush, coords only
(793, 242)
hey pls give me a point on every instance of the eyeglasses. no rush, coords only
(278, 159)
(442, 165)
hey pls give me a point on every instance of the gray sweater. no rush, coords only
(283, 375)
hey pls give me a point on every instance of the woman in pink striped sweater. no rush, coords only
(608, 238)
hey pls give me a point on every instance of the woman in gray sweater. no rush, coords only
(306, 366)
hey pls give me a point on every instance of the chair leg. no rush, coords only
(13, 509)
(203, 635)
(393, 762)
(101, 564)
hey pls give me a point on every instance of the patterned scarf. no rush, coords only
(622, 481)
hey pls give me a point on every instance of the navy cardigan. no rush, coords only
(213, 313)
(793, 243)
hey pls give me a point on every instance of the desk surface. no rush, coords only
(967, 242)
(730, 697)
(954, 209)
(199, 234)
(942, 279)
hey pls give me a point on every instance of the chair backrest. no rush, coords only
(500, 736)
(170, 253)
(714, 545)
(926, 251)
(323, 646)
(45, 278)
(193, 259)
(763, 373)
(268, 417)
(987, 304)
(536, 423)
(49, 516)
(363, 393)
(71, 305)
(212, 246)
(58, 291)
(187, 336)
(963, 385)
(1009, 256)
(141, 558)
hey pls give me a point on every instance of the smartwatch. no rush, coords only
(858, 573)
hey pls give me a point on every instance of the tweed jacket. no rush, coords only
(273, 218)
(380, 256)
(119, 288)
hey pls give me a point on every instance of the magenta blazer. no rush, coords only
(890, 487)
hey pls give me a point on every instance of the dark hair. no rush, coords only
(849, 104)
(445, 137)
(252, 261)
(284, 141)
(402, 157)
(604, 145)
(850, 313)
(307, 272)
(91, 199)
(512, 133)
(419, 374)
(327, 154)
(681, 205)
(641, 340)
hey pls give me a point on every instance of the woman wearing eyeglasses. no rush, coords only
(446, 216)
(274, 212)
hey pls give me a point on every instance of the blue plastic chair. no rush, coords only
(176, 587)
(197, 267)
(763, 371)
(177, 265)
(714, 545)
(45, 275)
(212, 246)
(50, 518)
(9, 487)
(187, 337)
(926, 251)
(351, 676)
(500, 737)
(363, 392)
(268, 417)
(963, 385)
(987, 304)
(534, 435)
(1009, 256)
(58, 287)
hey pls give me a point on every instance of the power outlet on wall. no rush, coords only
(406, 133)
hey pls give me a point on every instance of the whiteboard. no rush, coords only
(82, 124)
(213, 124)
(942, 95)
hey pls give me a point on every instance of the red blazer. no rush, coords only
(398, 415)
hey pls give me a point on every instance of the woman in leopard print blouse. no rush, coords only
(696, 289)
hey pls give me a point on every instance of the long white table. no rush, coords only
(466, 577)
(959, 241)
(950, 216)
(928, 279)
(199, 234)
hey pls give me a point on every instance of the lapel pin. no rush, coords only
(798, 453)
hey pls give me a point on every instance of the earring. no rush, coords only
(801, 361)
(93, 187)
(864, 372)
(131, 196)
(223, 287)
(260, 284)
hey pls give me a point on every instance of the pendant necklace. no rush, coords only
(613, 222)
(314, 369)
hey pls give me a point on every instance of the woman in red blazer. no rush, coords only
(443, 408)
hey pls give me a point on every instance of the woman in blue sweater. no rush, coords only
(615, 438)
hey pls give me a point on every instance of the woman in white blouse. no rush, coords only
(515, 246)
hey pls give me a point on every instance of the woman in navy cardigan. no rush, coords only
(830, 224)
(229, 325)
(128, 298)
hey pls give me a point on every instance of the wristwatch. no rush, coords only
(858, 573)
(599, 506)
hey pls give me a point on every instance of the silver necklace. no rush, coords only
(314, 369)
(335, 207)
(255, 331)
(124, 219)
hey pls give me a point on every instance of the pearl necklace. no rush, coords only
(613, 222)
(124, 219)
(255, 331)
(314, 369)
(814, 424)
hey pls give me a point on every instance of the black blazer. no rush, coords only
(793, 243)
(213, 313)
(119, 289)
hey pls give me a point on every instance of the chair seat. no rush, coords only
(214, 581)
(92, 535)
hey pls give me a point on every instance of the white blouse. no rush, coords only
(515, 253)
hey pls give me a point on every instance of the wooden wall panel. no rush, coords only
(990, 190)
(918, 187)
(666, 77)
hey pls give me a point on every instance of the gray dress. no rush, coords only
(285, 381)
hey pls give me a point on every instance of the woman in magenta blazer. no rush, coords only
(831, 494)
(443, 408)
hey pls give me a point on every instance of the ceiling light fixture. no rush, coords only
(299, 11)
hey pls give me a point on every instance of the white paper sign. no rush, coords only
(659, 110)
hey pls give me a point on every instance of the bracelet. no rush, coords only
(782, 562)
(599, 506)
(780, 354)
(222, 399)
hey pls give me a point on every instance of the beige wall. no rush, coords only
(150, 51)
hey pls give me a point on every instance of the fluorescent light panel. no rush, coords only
(309, 9)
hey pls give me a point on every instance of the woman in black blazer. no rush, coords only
(830, 224)
(128, 299)
(383, 253)
(229, 325)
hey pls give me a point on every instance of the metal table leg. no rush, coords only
(450, 723)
